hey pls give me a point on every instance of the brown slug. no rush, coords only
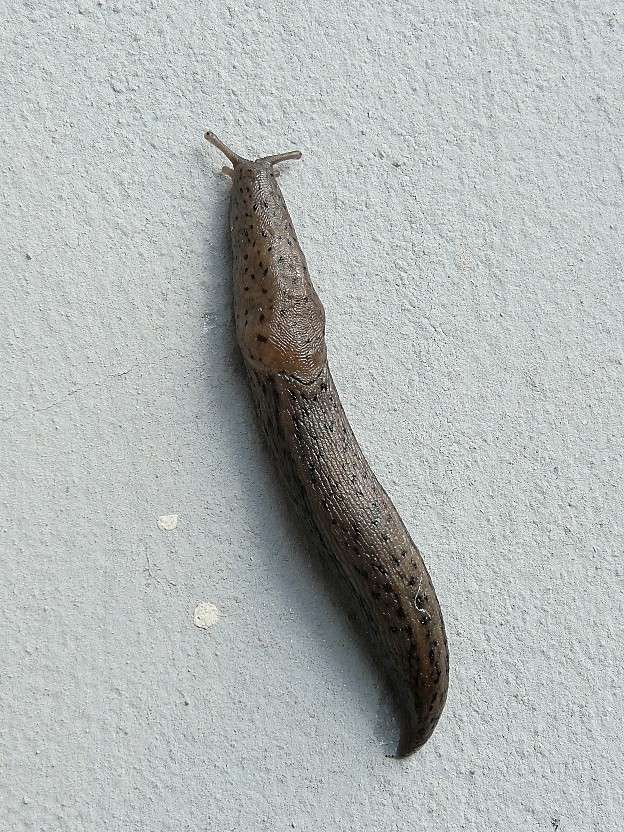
(280, 324)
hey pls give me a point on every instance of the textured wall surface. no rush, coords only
(461, 204)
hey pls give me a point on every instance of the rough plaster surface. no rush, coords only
(460, 202)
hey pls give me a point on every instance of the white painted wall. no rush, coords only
(460, 203)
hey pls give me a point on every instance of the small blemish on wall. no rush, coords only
(205, 615)
(167, 522)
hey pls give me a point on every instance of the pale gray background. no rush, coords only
(460, 202)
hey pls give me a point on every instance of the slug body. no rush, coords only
(280, 324)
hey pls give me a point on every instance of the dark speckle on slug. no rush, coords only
(280, 325)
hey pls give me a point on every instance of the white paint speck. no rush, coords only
(167, 522)
(205, 615)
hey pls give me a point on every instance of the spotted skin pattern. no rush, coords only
(280, 324)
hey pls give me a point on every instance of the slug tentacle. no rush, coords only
(280, 324)
(282, 157)
(234, 158)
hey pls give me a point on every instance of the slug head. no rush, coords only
(280, 321)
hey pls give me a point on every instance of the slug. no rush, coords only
(280, 326)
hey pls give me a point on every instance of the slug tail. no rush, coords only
(411, 738)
